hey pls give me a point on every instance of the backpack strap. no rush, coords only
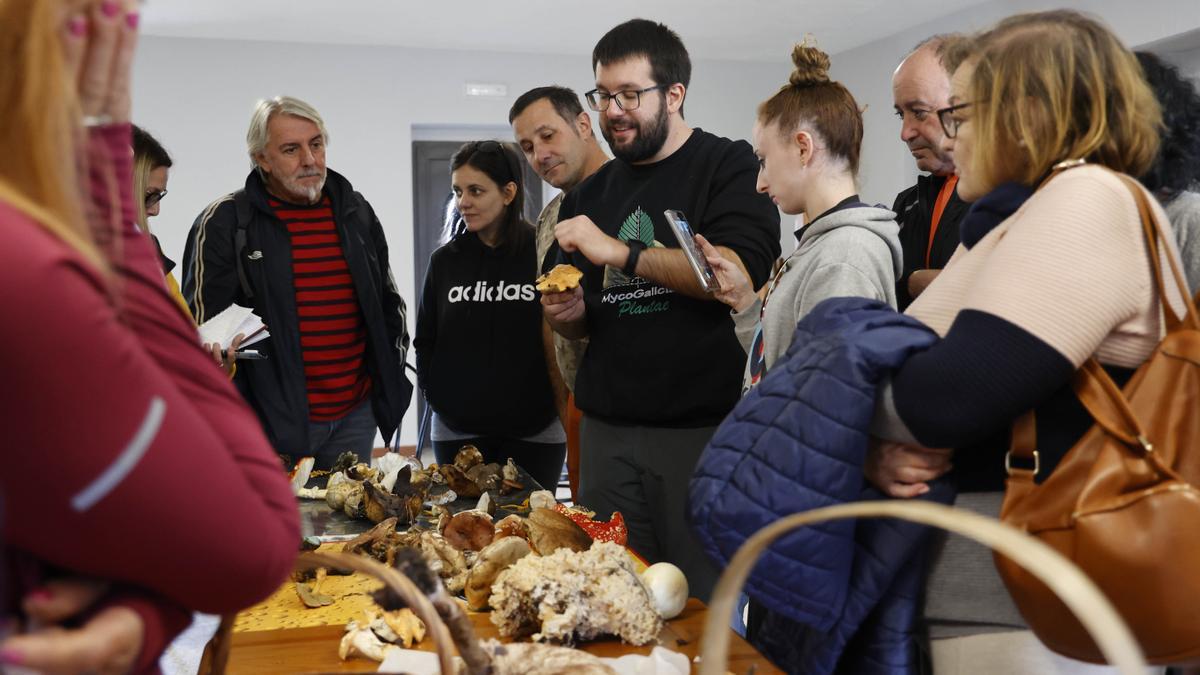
(245, 211)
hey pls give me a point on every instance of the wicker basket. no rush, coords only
(1066, 580)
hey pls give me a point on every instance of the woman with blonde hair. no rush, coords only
(151, 170)
(136, 486)
(1053, 269)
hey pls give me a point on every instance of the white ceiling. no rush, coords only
(750, 30)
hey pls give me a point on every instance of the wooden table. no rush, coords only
(314, 649)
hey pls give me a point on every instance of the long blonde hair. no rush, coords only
(142, 166)
(40, 125)
(1057, 85)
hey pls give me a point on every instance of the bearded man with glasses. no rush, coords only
(663, 366)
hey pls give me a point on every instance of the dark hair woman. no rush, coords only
(481, 360)
(1175, 176)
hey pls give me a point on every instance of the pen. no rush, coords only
(246, 355)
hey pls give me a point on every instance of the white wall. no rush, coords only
(195, 96)
(887, 166)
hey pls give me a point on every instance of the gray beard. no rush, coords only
(312, 194)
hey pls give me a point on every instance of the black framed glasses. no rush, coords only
(950, 120)
(627, 99)
(154, 196)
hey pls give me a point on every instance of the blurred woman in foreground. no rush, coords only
(136, 487)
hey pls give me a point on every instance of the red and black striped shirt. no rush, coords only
(333, 336)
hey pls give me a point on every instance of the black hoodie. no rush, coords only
(480, 359)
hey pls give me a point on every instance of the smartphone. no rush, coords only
(687, 241)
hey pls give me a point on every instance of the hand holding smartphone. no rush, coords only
(687, 242)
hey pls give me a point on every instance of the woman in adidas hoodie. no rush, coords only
(480, 359)
(807, 139)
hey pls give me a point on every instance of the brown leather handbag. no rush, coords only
(1123, 504)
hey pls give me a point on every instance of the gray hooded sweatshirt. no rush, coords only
(853, 251)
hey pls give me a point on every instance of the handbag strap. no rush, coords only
(1023, 446)
(1110, 410)
(1154, 235)
(1103, 401)
(1096, 390)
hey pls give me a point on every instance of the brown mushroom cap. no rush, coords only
(550, 530)
(493, 559)
(458, 481)
(512, 526)
(469, 531)
(467, 457)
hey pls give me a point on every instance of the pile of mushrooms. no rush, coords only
(468, 476)
(376, 495)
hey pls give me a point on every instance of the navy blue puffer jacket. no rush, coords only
(842, 596)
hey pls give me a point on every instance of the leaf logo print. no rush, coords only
(637, 227)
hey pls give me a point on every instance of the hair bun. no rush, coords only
(812, 66)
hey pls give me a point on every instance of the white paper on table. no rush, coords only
(235, 319)
(410, 661)
(661, 661)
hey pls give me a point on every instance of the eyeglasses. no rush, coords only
(949, 120)
(627, 99)
(154, 196)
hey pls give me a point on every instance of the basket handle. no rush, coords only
(1066, 580)
(416, 600)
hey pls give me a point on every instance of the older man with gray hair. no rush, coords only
(307, 253)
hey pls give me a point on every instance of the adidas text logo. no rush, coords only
(482, 291)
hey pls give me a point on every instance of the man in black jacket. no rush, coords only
(308, 254)
(928, 212)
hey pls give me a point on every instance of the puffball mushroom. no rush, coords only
(668, 588)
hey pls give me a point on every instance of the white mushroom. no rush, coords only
(311, 493)
(486, 505)
(336, 490)
(509, 470)
(668, 588)
(382, 630)
(542, 499)
(361, 642)
(353, 506)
